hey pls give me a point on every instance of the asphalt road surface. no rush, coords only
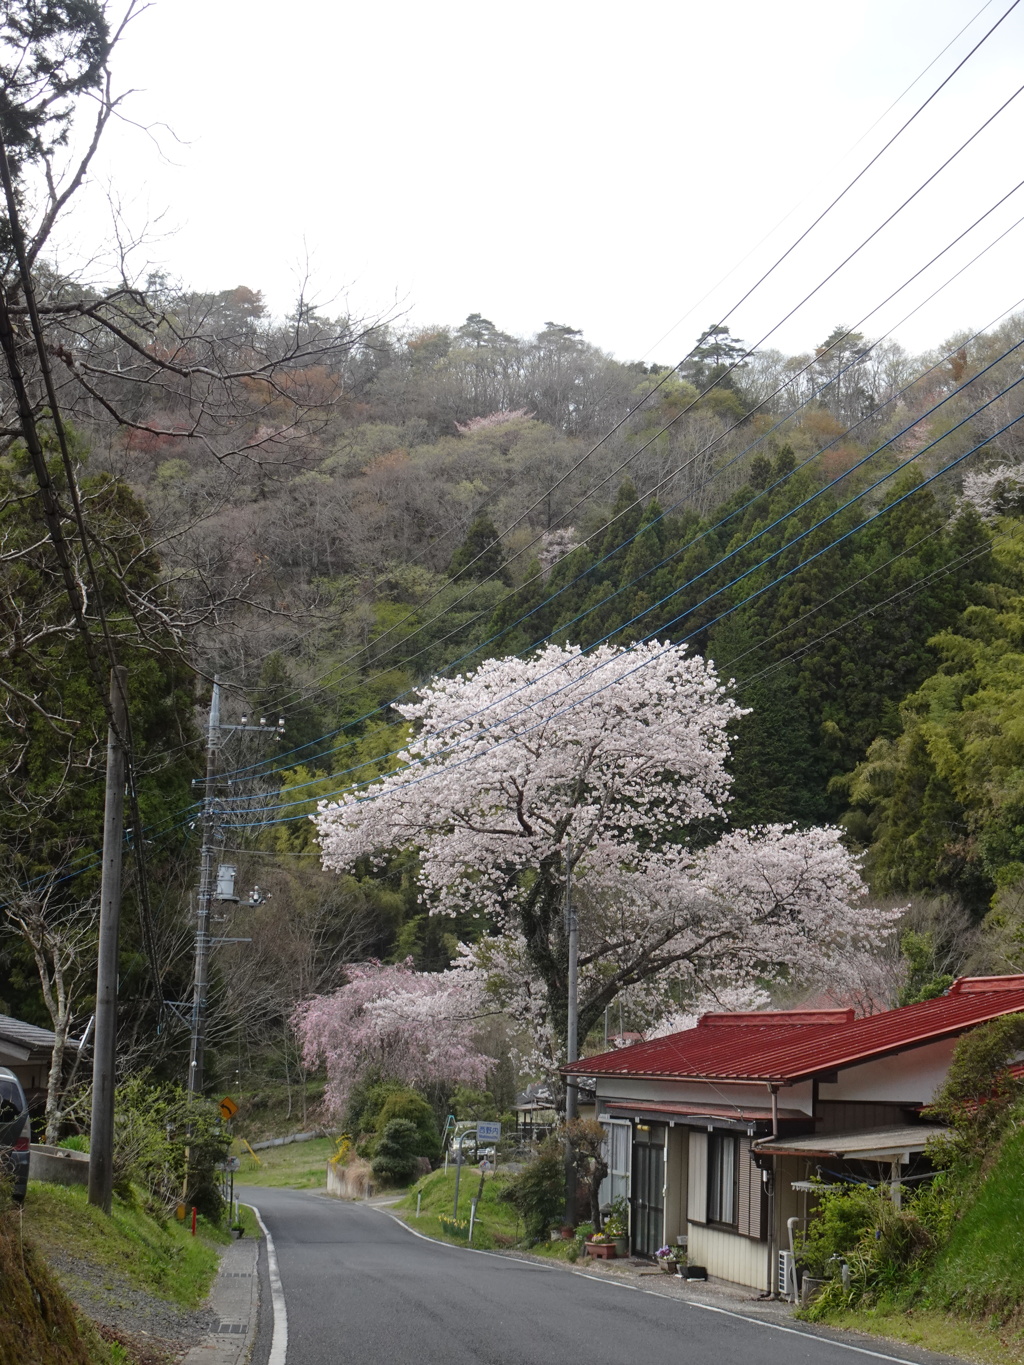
(359, 1288)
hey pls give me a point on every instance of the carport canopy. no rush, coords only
(896, 1143)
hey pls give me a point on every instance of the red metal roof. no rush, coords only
(791, 1045)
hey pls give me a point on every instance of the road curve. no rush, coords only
(360, 1289)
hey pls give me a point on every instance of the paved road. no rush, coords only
(360, 1288)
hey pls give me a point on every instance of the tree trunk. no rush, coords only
(54, 1082)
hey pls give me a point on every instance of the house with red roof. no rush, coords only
(716, 1133)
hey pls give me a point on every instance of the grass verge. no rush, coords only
(298, 1166)
(497, 1226)
(935, 1332)
(164, 1259)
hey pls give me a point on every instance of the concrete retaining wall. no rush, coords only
(58, 1166)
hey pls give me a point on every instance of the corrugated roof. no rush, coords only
(864, 1143)
(788, 1046)
(28, 1035)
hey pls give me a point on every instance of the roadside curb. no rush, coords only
(234, 1301)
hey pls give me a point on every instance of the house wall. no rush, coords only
(739, 1259)
(910, 1077)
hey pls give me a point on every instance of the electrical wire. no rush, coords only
(231, 776)
(884, 511)
(790, 512)
(730, 369)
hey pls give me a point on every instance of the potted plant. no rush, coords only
(600, 1246)
(616, 1226)
(664, 1258)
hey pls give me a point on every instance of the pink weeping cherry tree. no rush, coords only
(393, 1022)
(609, 769)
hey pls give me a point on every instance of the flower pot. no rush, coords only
(667, 1264)
(601, 1251)
(622, 1246)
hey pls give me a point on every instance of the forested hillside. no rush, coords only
(390, 506)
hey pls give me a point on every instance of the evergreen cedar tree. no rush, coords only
(617, 761)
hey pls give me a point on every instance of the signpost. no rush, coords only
(485, 1132)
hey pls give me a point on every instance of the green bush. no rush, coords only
(373, 1104)
(170, 1144)
(537, 1192)
(394, 1160)
(408, 1104)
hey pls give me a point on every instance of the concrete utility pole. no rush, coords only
(205, 899)
(572, 1031)
(572, 930)
(208, 882)
(101, 1143)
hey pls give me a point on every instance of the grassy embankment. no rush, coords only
(969, 1299)
(497, 1226)
(38, 1321)
(297, 1166)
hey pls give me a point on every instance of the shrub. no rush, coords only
(170, 1143)
(394, 1161)
(537, 1192)
(409, 1104)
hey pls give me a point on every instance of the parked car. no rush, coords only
(15, 1135)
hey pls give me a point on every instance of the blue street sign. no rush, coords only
(488, 1132)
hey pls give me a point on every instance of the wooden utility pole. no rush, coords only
(101, 1142)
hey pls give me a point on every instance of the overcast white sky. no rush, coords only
(595, 164)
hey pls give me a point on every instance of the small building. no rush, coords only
(27, 1049)
(715, 1133)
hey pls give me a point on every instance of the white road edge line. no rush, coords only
(477, 1251)
(279, 1340)
(672, 1298)
(638, 1289)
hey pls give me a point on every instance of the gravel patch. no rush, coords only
(128, 1311)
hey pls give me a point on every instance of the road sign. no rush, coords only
(228, 1108)
(488, 1132)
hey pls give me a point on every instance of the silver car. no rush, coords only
(15, 1135)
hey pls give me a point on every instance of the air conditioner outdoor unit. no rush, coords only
(787, 1276)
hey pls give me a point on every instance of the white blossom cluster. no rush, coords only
(615, 762)
(993, 491)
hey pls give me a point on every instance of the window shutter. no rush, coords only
(697, 1178)
(752, 1221)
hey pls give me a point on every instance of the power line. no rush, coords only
(778, 424)
(689, 407)
(790, 512)
(884, 511)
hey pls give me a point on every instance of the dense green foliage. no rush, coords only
(394, 1156)
(537, 1192)
(951, 1247)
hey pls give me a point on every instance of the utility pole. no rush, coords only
(572, 930)
(572, 1031)
(205, 898)
(101, 1144)
(207, 881)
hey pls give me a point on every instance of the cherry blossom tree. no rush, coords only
(608, 769)
(393, 1022)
